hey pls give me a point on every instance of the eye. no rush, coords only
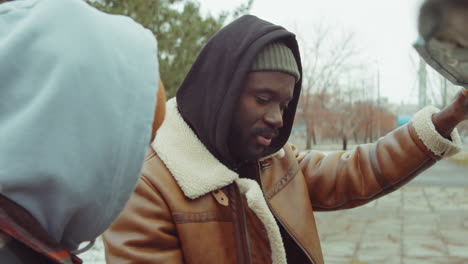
(262, 100)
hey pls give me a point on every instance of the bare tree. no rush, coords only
(339, 98)
(326, 60)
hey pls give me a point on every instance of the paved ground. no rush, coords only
(443, 173)
(414, 225)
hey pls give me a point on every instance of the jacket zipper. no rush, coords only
(243, 227)
(279, 220)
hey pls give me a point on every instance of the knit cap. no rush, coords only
(276, 56)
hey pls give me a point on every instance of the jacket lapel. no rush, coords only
(195, 169)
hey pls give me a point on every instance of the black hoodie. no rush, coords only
(209, 94)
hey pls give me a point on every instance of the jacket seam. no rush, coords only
(374, 160)
(201, 221)
(203, 217)
(150, 156)
(283, 182)
(145, 179)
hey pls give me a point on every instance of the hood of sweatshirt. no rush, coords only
(77, 97)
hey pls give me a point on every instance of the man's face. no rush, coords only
(259, 113)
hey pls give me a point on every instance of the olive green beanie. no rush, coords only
(276, 56)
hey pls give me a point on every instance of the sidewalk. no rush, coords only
(413, 225)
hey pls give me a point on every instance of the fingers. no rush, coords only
(463, 102)
(464, 91)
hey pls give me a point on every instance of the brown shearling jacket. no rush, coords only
(189, 208)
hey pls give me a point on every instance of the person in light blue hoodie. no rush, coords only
(77, 98)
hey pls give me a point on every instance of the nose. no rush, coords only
(274, 117)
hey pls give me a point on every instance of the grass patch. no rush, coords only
(460, 159)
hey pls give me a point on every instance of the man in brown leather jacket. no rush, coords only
(220, 183)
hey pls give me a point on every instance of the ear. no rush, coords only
(160, 110)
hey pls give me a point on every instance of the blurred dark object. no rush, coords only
(443, 41)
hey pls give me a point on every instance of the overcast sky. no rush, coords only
(384, 32)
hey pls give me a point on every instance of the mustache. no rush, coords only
(273, 132)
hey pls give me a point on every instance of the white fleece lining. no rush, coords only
(436, 143)
(279, 154)
(256, 202)
(194, 168)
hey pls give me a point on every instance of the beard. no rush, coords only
(244, 146)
